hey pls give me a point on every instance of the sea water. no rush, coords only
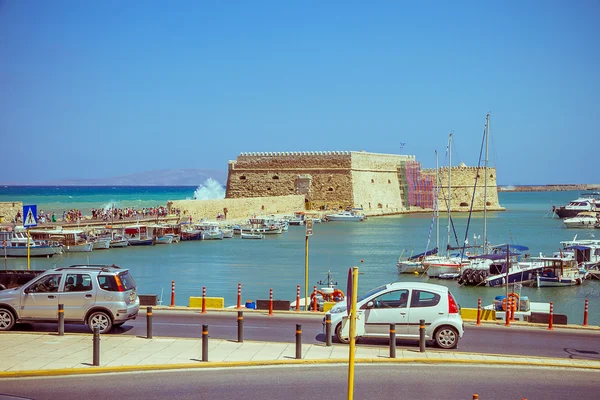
(278, 261)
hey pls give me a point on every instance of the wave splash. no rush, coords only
(209, 190)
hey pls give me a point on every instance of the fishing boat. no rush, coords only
(209, 231)
(561, 271)
(585, 220)
(413, 263)
(100, 243)
(140, 235)
(252, 235)
(189, 232)
(14, 244)
(71, 240)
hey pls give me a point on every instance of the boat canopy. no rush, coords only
(427, 253)
(578, 247)
(516, 247)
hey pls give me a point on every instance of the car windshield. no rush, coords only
(371, 292)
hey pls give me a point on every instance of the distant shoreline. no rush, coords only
(548, 188)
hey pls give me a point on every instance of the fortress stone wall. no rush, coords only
(461, 190)
(239, 208)
(9, 209)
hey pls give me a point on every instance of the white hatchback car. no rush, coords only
(405, 304)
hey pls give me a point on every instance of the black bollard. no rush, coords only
(298, 342)
(204, 342)
(392, 340)
(61, 320)
(96, 341)
(328, 329)
(240, 326)
(422, 336)
(149, 323)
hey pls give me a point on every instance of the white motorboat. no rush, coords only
(140, 235)
(210, 231)
(101, 243)
(252, 235)
(586, 202)
(346, 216)
(586, 219)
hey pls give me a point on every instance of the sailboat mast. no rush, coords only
(449, 186)
(485, 171)
(437, 208)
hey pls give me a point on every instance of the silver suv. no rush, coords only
(96, 295)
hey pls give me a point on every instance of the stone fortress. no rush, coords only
(378, 184)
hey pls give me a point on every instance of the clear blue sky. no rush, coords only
(95, 89)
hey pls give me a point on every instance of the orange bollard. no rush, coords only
(507, 312)
(239, 302)
(203, 299)
(585, 313)
(270, 302)
(513, 308)
(172, 293)
(551, 319)
(298, 298)
(475, 396)
(478, 312)
(315, 303)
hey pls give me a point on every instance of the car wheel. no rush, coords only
(101, 320)
(338, 334)
(7, 320)
(446, 337)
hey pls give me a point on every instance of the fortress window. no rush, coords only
(268, 188)
(372, 180)
(491, 175)
(463, 204)
(379, 205)
(488, 203)
(242, 178)
(389, 181)
(330, 189)
(275, 177)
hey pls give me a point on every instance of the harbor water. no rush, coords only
(278, 261)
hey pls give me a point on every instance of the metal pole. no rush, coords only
(328, 330)
(306, 274)
(149, 323)
(478, 312)
(270, 302)
(203, 299)
(204, 342)
(61, 320)
(298, 342)
(585, 313)
(172, 293)
(28, 251)
(96, 346)
(352, 349)
(240, 326)
(422, 335)
(392, 340)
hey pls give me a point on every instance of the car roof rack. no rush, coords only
(101, 267)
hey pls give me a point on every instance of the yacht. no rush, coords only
(585, 219)
(586, 202)
(349, 216)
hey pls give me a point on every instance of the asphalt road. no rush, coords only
(397, 381)
(529, 341)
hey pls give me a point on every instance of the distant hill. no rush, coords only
(169, 177)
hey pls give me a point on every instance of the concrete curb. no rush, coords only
(543, 363)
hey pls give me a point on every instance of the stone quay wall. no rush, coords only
(327, 180)
(9, 209)
(237, 209)
(461, 190)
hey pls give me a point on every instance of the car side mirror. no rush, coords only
(370, 304)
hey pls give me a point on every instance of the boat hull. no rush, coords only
(141, 242)
(78, 248)
(164, 240)
(119, 243)
(34, 251)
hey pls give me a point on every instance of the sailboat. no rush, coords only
(436, 266)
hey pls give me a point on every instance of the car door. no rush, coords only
(77, 296)
(427, 305)
(385, 309)
(40, 298)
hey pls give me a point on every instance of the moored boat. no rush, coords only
(585, 220)
(14, 244)
(586, 202)
(345, 216)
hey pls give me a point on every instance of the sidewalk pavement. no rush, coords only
(42, 354)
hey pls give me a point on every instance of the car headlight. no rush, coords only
(338, 309)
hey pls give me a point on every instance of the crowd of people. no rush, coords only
(110, 214)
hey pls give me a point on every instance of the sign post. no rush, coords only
(352, 290)
(309, 232)
(29, 220)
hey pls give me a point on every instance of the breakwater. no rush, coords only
(548, 188)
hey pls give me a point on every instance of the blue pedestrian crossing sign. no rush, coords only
(30, 216)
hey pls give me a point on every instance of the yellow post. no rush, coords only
(28, 251)
(305, 274)
(352, 317)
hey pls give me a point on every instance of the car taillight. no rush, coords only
(119, 284)
(452, 306)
